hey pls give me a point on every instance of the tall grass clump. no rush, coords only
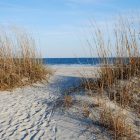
(118, 49)
(20, 63)
(118, 77)
(117, 124)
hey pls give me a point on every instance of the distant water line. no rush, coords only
(81, 61)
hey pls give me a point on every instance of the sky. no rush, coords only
(61, 27)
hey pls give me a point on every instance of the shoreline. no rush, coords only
(75, 70)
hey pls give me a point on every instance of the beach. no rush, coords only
(70, 70)
(40, 112)
(35, 112)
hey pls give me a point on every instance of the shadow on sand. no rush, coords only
(71, 118)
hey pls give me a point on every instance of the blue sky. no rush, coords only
(60, 27)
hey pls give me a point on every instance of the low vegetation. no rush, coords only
(20, 63)
(118, 78)
(68, 101)
(116, 123)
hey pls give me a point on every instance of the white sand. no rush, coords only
(33, 113)
(76, 71)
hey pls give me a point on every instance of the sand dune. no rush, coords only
(33, 112)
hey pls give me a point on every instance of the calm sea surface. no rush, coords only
(75, 61)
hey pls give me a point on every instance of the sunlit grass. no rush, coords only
(20, 63)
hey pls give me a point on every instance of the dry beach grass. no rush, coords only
(118, 78)
(20, 64)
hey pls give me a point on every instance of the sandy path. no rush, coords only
(76, 71)
(31, 113)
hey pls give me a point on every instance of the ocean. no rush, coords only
(75, 61)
